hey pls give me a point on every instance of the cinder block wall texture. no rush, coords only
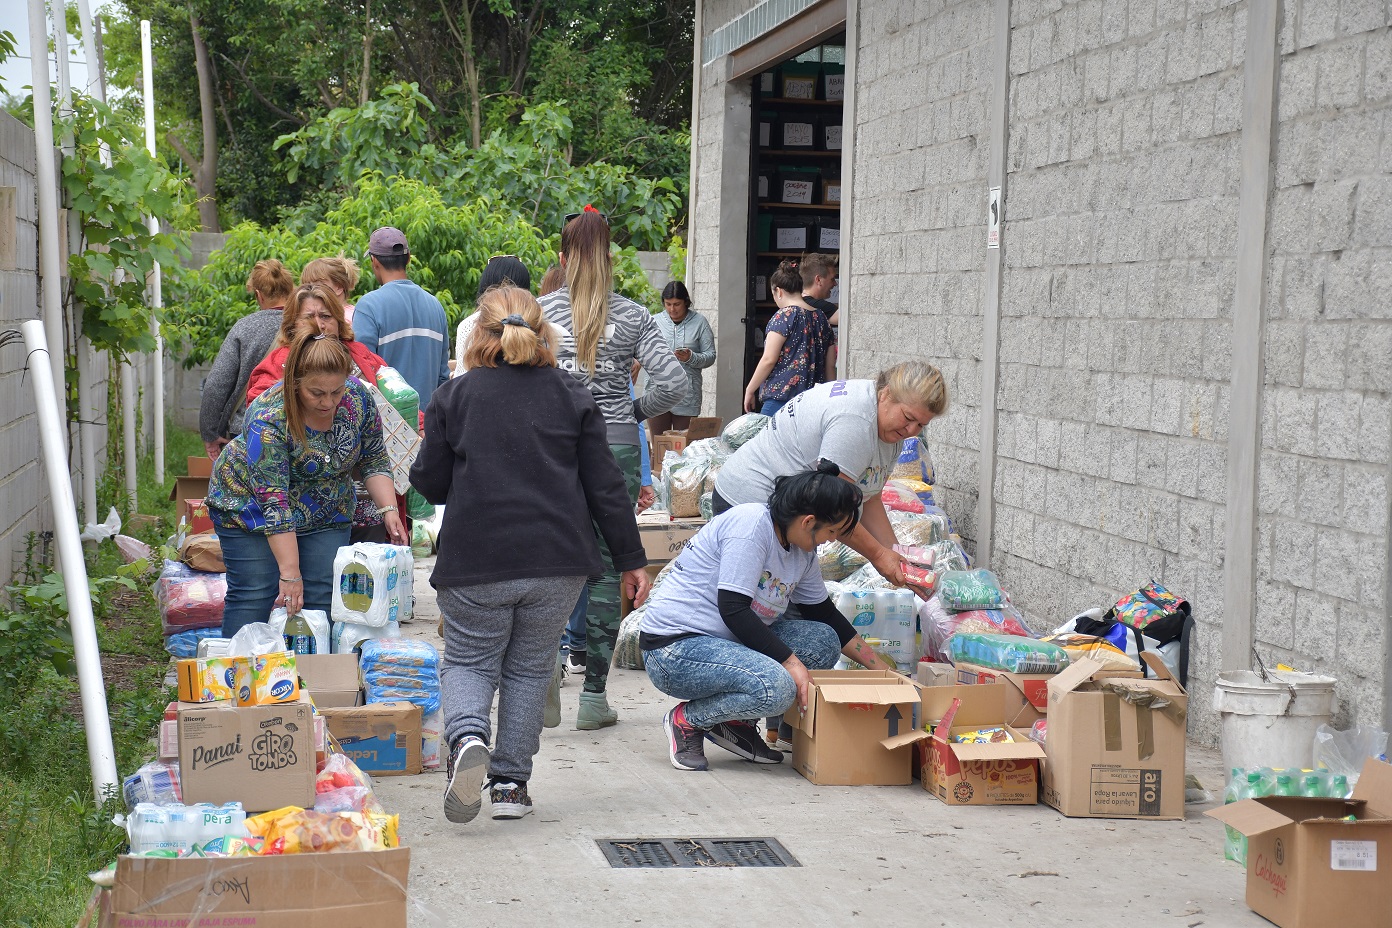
(1123, 165)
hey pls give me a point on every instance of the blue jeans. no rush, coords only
(771, 407)
(253, 577)
(722, 680)
(573, 638)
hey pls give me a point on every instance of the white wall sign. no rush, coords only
(993, 219)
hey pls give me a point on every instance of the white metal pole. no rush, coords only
(46, 179)
(156, 294)
(101, 754)
(86, 416)
(89, 51)
(128, 395)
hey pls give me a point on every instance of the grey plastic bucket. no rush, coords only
(1271, 722)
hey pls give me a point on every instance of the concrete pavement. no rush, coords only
(869, 855)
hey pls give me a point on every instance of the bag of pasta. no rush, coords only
(684, 478)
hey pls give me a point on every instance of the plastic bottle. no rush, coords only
(1315, 784)
(1287, 784)
(299, 636)
(1234, 844)
(1339, 787)
(148, 828)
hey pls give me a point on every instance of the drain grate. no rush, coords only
(672, 853)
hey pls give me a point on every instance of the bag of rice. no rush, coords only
(742, 429)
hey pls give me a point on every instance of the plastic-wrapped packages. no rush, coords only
(898, 498)
(1094, 648)
(921, 529)
(948, 555)
(347, 637)
(970, 589)
(1010, 653)
(188, 598)
(743, 428)
(369, 582)
(432, 736)
(399, 393)
(838, 561)
(402, 669)
(347, 799)
(300, 831)
(318, 621)
(866, 577)
(339, 772)
(708, 505)
(918, 488)
(183, 645)
(914, 461)
(627, 654)
(684, 477)
(887, 615)
(153, 782)
(939, 624)
(1345, 752)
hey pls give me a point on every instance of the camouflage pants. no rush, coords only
(602, 616)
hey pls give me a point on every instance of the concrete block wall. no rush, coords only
(916, 282)
(1327, 398)
(1121, 202)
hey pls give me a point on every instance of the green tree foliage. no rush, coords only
(450, 244)
(623, 69)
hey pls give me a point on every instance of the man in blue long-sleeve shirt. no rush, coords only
(400, 321)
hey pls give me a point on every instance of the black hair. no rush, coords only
(676, 290)
(787, 278)
(504, 269)
(820, 493)
(393, 262)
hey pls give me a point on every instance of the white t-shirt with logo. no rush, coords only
(737, 551)
(836, 421)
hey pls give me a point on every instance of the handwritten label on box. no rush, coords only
(797, 135)
(832, 194)
(829, 239)
(797, 191)
(833, 138)
(791, 239)
(836, 86)
(799, 88)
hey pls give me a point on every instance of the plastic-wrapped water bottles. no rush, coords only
(179, 828)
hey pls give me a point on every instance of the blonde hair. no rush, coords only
(290, 321)
(311, 354)
(589, 277)
(341, 271)
(271, 280)
(523, 345)
(917, 383)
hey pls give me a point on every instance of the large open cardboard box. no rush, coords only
(1026, 696)
(1116, 744)
(186, 489)
(974, 774)
(838, 742)
(383, 738)
(663, 541)
(332, 679)
(1308, 866)
(286, 891)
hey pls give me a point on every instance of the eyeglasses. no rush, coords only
(570, 216)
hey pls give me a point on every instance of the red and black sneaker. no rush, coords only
(743, 739)
(686, 743)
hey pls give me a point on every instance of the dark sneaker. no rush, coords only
(575, 663)
(686, 743)
(510, 800)
(468, 769)
(743, 739)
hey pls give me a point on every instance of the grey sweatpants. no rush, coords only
(503, 638)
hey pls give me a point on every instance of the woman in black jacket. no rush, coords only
(518, 452)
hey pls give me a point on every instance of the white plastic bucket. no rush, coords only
(1272, 722)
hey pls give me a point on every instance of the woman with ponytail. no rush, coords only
(715, 636)
(603, 334)
(518, 452)
(281, 497)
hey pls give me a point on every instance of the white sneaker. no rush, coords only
(575, 663)
(468, 771)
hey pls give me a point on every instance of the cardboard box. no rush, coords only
(661, 444)
(382, 738)
(199, 522)
(332, 679)
(934, 674)
(200, 467)
(850, 713)
(207, 679)
(260, 756)
(664, 541)
(703, 427)
(1115, 757)
(185, 489)
(1027, 694)
(287, 891)
(1005, 774)
(1309, 868)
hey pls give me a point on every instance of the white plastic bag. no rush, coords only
(432, 733)
(256, 638)
(347, 637)
(108, 529)
(372, 584)
(1344, 752)
(318, 621)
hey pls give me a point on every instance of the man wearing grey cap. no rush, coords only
(400, 321)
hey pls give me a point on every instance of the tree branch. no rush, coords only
(180, 150)
(256, 92)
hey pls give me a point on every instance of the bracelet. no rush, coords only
(292, 579)
(383, 510)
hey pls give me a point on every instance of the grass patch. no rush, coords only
(51, 832)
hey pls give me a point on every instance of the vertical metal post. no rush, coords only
(156, 294)
(845, 308)
(46, 179)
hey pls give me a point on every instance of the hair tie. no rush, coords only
(515, 319)
(828, 467)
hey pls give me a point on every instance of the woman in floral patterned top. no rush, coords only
(281, 497)
(797, 345)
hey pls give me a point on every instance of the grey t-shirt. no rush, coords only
(737, 551)
(832, 421)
